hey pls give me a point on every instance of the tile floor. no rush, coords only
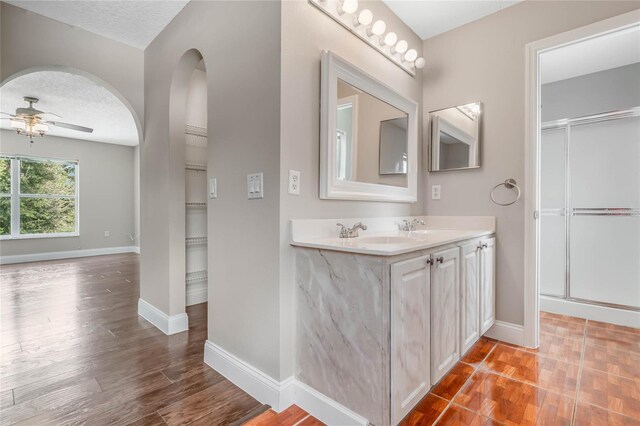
(583, 373)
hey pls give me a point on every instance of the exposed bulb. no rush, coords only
(401, 47)
(390, 39)
(365, 17)
(378, 28)
(347, 6)
(420, 63)
(411, 55)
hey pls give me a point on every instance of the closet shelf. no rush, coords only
(196, 204)
(196, 277)
(195, 241)
(196, 167)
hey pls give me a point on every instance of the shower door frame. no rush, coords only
(533, 129)
(568, 211)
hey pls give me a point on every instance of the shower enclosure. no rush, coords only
(590, 210)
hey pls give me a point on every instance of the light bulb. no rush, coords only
(401, 47)
(420, 63)
(411, 55)
(390, 39)
(364, 18)
(347, 6)
(378, 28)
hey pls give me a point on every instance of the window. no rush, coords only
(38, 197)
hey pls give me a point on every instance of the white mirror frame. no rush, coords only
(334, 68)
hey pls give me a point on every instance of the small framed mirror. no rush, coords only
(455, 138)
(368, 137)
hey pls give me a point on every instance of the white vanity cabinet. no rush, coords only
(445, 299)
(470, 295)
(487, 284)
(410, 288)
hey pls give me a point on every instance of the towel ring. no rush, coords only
(509, 184)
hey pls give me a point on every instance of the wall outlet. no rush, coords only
(255, 187)
(436, 191)
(106, 233)
(294, 182)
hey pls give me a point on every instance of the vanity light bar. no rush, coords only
(372, 31)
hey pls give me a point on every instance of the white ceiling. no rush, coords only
(132, 22)
(429, 18)
(597, 54)
(77, 100)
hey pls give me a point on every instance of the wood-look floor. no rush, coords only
(585, 373)
(75, 351)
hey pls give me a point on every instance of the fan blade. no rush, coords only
(6, 113)
(70, 126)
(48, 113)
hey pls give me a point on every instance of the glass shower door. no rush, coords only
(604, 226)
(552, 211)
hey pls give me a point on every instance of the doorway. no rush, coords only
(583, 175)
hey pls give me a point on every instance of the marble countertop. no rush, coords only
(391, 243)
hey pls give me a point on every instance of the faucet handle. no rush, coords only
(359, 225)
(418, 221)
(343, 230)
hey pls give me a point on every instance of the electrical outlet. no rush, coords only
(106, 233)
(436, 192)
(294, 182)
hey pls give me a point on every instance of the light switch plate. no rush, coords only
(255, 186)
(294, 182)
(213, 188)
(436, 191)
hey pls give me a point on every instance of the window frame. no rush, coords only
(16, 195)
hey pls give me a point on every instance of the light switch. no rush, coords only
(294, 182)
(255, 186)
(213, 188)
(435, 192)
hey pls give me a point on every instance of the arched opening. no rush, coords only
(188, 145)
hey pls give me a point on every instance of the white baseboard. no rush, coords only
(54, 255)
(279, 395)
(167, 324)
(196, 293)
(591, 312)
(507, 332)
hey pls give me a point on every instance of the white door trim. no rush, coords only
(532, 151)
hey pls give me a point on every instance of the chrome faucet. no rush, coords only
(351, 232)
(410, 226)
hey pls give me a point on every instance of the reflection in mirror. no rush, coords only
(455, 138)
(371, 139)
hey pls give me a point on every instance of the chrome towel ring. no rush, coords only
(509, 184)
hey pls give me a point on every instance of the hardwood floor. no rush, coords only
(585, 373)
(74, 350)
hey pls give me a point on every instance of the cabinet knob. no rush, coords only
(440, 259)
(430, 261)
(484, 246)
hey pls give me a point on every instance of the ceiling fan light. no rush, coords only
(18, 125)
(41, 128)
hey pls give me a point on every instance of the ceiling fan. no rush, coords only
(31, 122)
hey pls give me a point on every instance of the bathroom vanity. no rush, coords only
(383, 316)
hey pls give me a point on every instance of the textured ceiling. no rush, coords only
(78, 100)
(135, 23)
(430, 18)
(589, 56)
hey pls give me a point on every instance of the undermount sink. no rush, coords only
(386, 240)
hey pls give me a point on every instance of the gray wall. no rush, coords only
(106, 192)
(485, 61)
(240, 44)
(610, 90)
(306, 31)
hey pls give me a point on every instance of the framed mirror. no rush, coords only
(455, 138)
(368, 137)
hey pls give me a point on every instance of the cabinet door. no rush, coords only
(410, 286)
(487, 284)
(469, 296)
(445, 314)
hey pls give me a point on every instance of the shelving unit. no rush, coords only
(196, 167)
(196, 277)
(194, 204)
(195, 241)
